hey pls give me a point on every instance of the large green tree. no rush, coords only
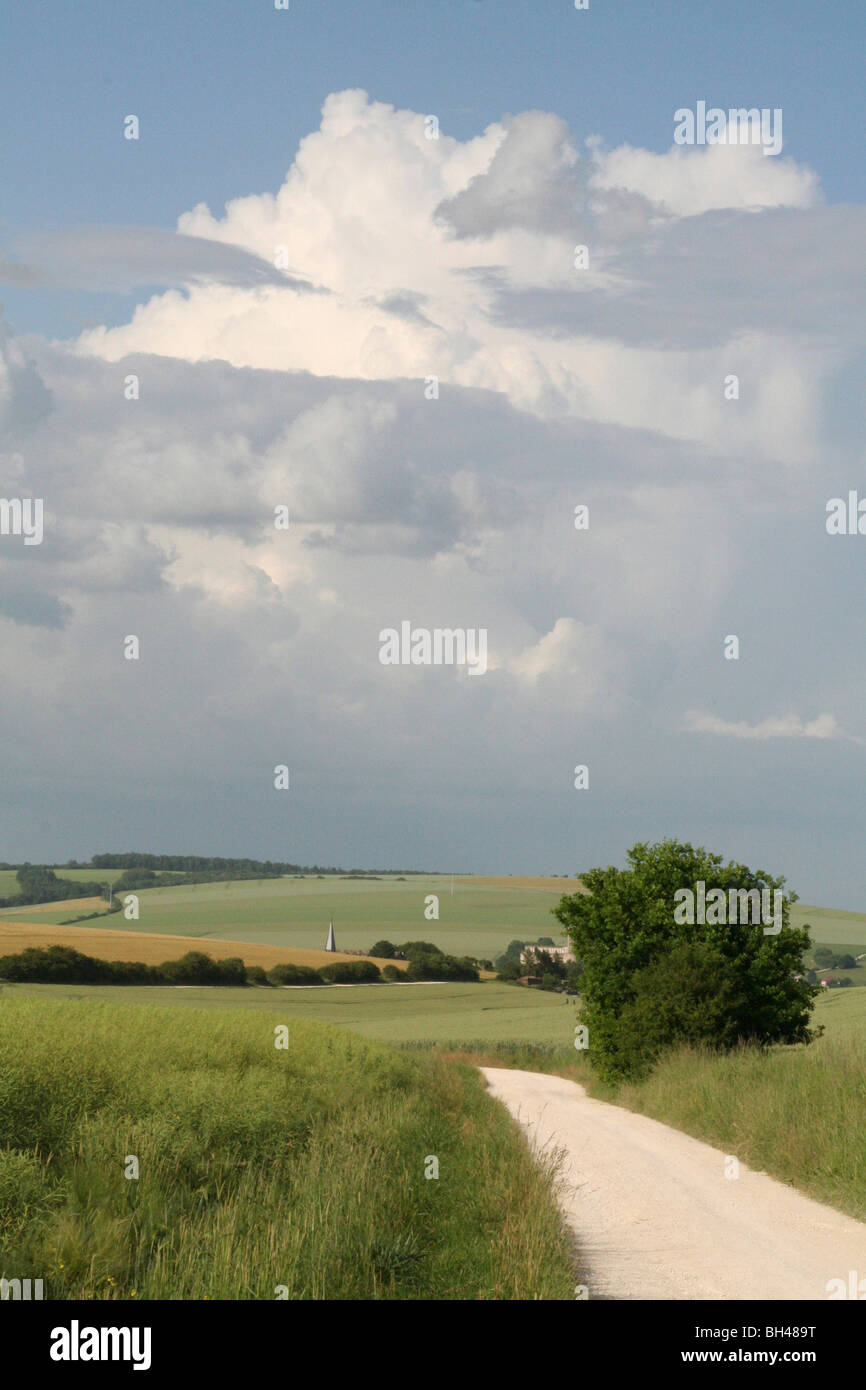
(626, 922)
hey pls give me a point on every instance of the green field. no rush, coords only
(477, 920)
(844, 931)
(456, 1013)
(262, 1172)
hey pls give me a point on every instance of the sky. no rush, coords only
(337, 273)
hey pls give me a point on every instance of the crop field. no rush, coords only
(153, 950)
(396, 1013)
(479, 919)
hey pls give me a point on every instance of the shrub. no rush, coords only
(232, 971)
(390, 972)
(195, 968)
(509, 970)
(351, 972)
(54, 965)
(442, 968)
(294, 975)
(133, 972)
(412, 949)
(256, 975)
(385, 950)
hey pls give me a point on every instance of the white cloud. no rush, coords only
(777, 726)
(416, 244)
(686, 181)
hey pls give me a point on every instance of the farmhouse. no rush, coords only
(563, 953)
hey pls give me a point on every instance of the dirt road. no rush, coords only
(655, 1216)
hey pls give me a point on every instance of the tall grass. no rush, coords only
(797, 1113)
(259, 1168)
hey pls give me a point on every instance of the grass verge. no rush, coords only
(260, 1169)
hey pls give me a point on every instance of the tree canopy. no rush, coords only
(739, 986)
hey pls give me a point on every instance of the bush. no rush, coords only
(133, 972)
(256, 975)
(509, 970)
(195, 968)
(390, 972)
(413, 949)
(442, 968)
(351, 972)
(294, 975)
(54, 965)
(232, 971)
(385, 950)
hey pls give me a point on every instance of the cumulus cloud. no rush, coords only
(433, 252)
(686, 181)
(312, 388)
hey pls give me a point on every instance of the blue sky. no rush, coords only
(302, 384)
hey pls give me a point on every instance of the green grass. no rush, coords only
(488, 1012)
(258, 1167)
(477, 920)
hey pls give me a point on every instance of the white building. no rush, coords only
(563, 953)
